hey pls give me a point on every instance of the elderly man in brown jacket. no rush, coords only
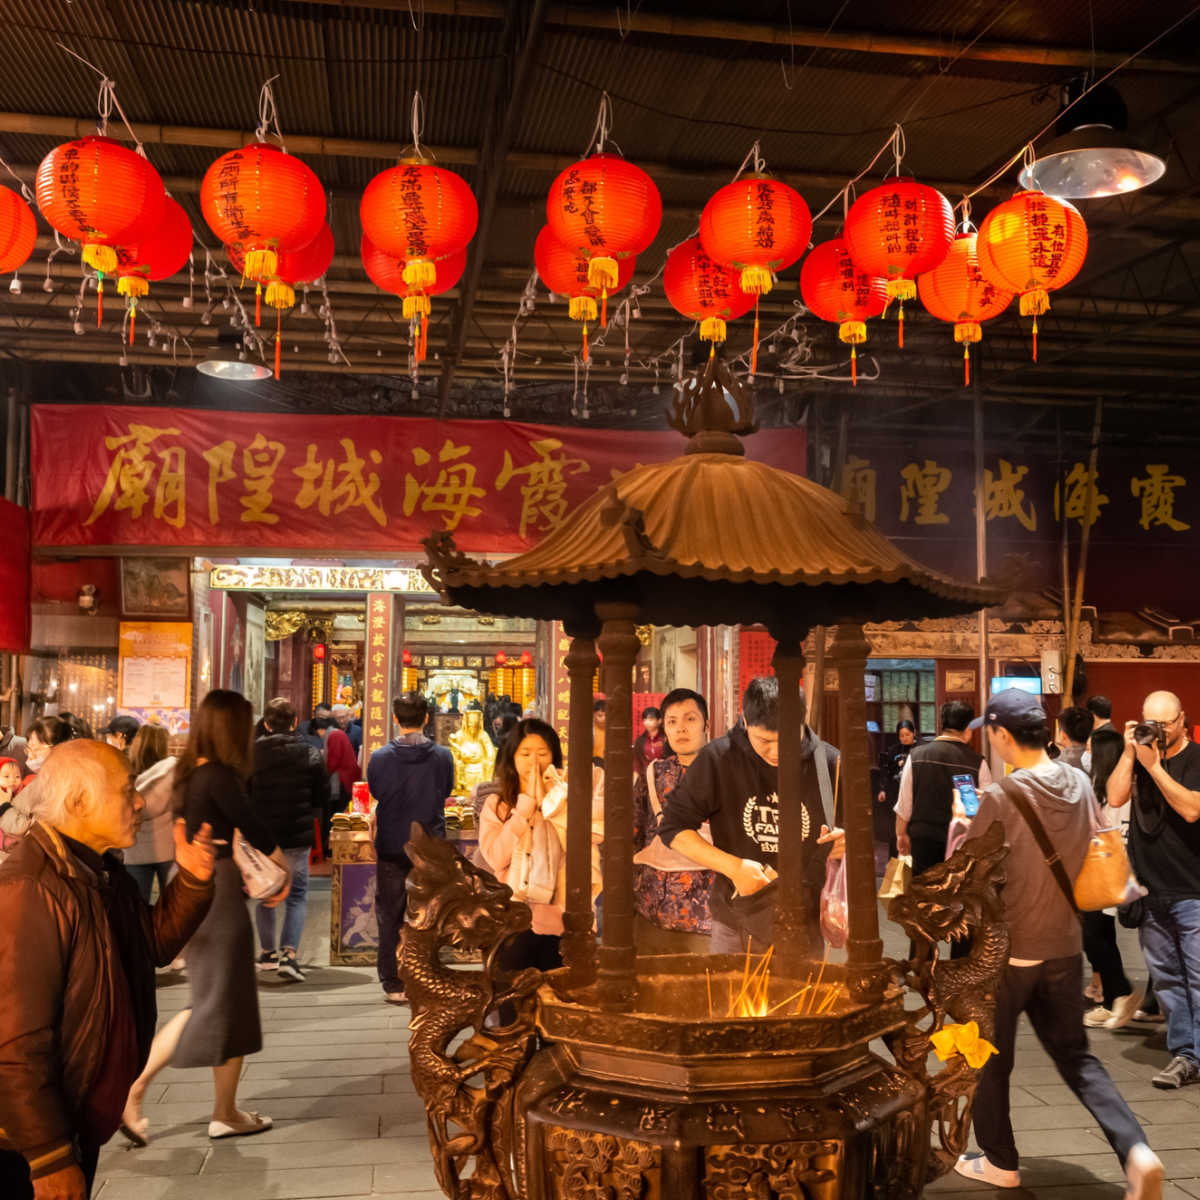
(78, 947)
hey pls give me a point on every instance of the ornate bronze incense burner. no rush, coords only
(645, 1087)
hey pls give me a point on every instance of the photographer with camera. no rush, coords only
(1160, 771)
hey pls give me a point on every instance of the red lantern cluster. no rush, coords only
(568, 273)
(157, 254)
(956, 291)
(97, 192)
(704, 290)
(834, 288)
(758, 226)
(1032, 244)
(18, 231)
(420, 215)
(605, 210)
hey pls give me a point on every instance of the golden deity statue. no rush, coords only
(474, 754)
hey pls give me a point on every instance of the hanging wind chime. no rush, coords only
(1032, 244)
(956, 291)
(567, 273)
(759, 226)
(834, 288)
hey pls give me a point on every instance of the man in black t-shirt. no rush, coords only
(1164, 845)
(733, 784)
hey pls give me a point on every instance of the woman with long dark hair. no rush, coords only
(522, 838)
(222, 1026)
(152, 856)
(1120, 998)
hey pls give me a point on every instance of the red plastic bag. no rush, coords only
(835, 918)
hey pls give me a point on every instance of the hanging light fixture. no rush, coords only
(227, 361)
(1092, 156)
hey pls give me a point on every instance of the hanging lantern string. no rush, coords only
(603, 127)
(895, 142)
(898, 147)
(964, 207)
(418, 125)
(1028, 147)
(106, 101)
(268, 115)
(26, 190)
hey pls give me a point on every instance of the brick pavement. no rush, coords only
(334, 1076)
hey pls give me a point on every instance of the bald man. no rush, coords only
(78, 947)
(1163, 779)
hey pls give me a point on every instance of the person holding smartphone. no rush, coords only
(937, 776)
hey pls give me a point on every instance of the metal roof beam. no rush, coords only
(669, 25)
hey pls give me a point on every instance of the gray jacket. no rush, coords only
(1043, 924)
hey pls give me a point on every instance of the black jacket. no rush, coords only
(737, 792)
(934, 766)
(289, 787)
(410, 780)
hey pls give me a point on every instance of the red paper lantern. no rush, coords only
(319, 652)
(899, 230)
(526, 659)
(704, 290)
(605, 209)
(834, 288)
(1032, 245)
(406, 657)
(18, 230)
(501, 658)
(956, 291)
(757, 225)
(262, 201)
(387, 273)
(568, 273)
(419, 213)
(158, 254)
(97, 192)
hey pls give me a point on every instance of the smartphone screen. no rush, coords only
(964, 785)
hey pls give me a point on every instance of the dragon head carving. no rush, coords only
(947, 900)
(470, 908)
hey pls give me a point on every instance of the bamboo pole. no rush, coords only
(1081, 567)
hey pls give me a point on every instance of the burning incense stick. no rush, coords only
(820, 976)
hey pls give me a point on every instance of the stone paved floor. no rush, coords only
(334, 1076)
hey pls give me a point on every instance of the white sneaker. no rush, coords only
(1098, 1017)
(1144, 1171)
(1123, 1009)
(977, 1167)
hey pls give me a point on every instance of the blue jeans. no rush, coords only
(144, 875)
(1170, 937)
(294, 907)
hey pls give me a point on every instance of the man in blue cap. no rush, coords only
(1045, 966)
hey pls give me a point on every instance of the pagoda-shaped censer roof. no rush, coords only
(708, 538)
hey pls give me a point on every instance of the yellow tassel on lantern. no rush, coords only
(713, 329)
(100, 258)
(754, 351)
(585, 342)
(901, 289)
(1035, 339)
(278, 339)
(967, 332)
(756, 280)
(1034, 303)
(419, 273)
(280, 294)
(581, 308)
(100, 300)
(258, 304)
(602, 272)
(853, 333)
(132, 319)
(260, 264)
(900, 324)
(133, 285)
(424, 336)
(416, 305)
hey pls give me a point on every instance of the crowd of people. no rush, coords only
(133, 853)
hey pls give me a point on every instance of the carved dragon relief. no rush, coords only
(954, 899)
(467, 1089)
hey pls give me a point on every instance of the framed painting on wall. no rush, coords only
(156, 587)
(960, 681)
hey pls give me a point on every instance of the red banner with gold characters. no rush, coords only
(107, 475)
(377, 706)
(14, 578)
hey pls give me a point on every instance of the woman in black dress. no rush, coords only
(891, 767)
(222, 1025)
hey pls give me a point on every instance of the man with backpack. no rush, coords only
(1044, 801)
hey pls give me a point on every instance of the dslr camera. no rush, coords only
(1150, 733)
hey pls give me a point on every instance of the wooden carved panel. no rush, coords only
(779, 1171)
(597, 1166)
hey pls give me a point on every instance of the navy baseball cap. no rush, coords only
(1012, 709)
